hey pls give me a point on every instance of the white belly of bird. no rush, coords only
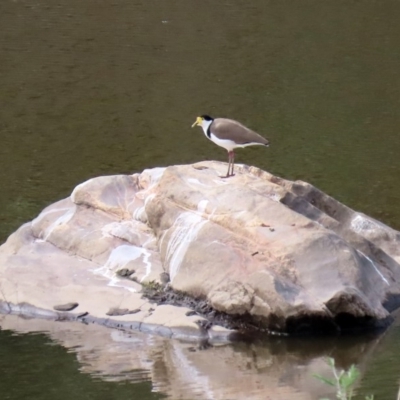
(229, 145)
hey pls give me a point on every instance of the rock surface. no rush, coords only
(282, 254)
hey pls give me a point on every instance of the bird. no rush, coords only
(229, 134)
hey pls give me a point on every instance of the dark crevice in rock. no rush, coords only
(342, 323)
(303, 207)
(347, 322)
(323, 202)
(66, 307)
(392, 301)
(311, 325)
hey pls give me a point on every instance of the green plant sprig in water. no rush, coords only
(342, 380)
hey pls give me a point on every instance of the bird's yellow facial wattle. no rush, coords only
(198, 121)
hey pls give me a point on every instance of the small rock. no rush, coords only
(125, 272)
(190, 313)
(66, 307)
(115, 311)
(164, 278)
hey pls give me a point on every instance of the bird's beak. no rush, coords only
(197, 122)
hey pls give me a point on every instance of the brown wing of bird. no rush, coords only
(232, 130)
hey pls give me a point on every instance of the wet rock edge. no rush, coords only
(26, 310)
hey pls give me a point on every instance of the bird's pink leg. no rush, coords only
(231, 157)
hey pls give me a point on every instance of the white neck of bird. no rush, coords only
(205, 124)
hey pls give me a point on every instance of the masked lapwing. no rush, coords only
(229, 134)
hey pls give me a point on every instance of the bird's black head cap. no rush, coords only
(207, 117)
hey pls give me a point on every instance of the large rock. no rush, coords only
(281, 254)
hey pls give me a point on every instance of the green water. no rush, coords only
(108, 87)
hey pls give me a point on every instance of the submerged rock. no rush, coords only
(281, 255)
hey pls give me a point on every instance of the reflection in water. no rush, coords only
(34, 367)
(280, 368)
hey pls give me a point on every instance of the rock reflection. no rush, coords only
(276, 368)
